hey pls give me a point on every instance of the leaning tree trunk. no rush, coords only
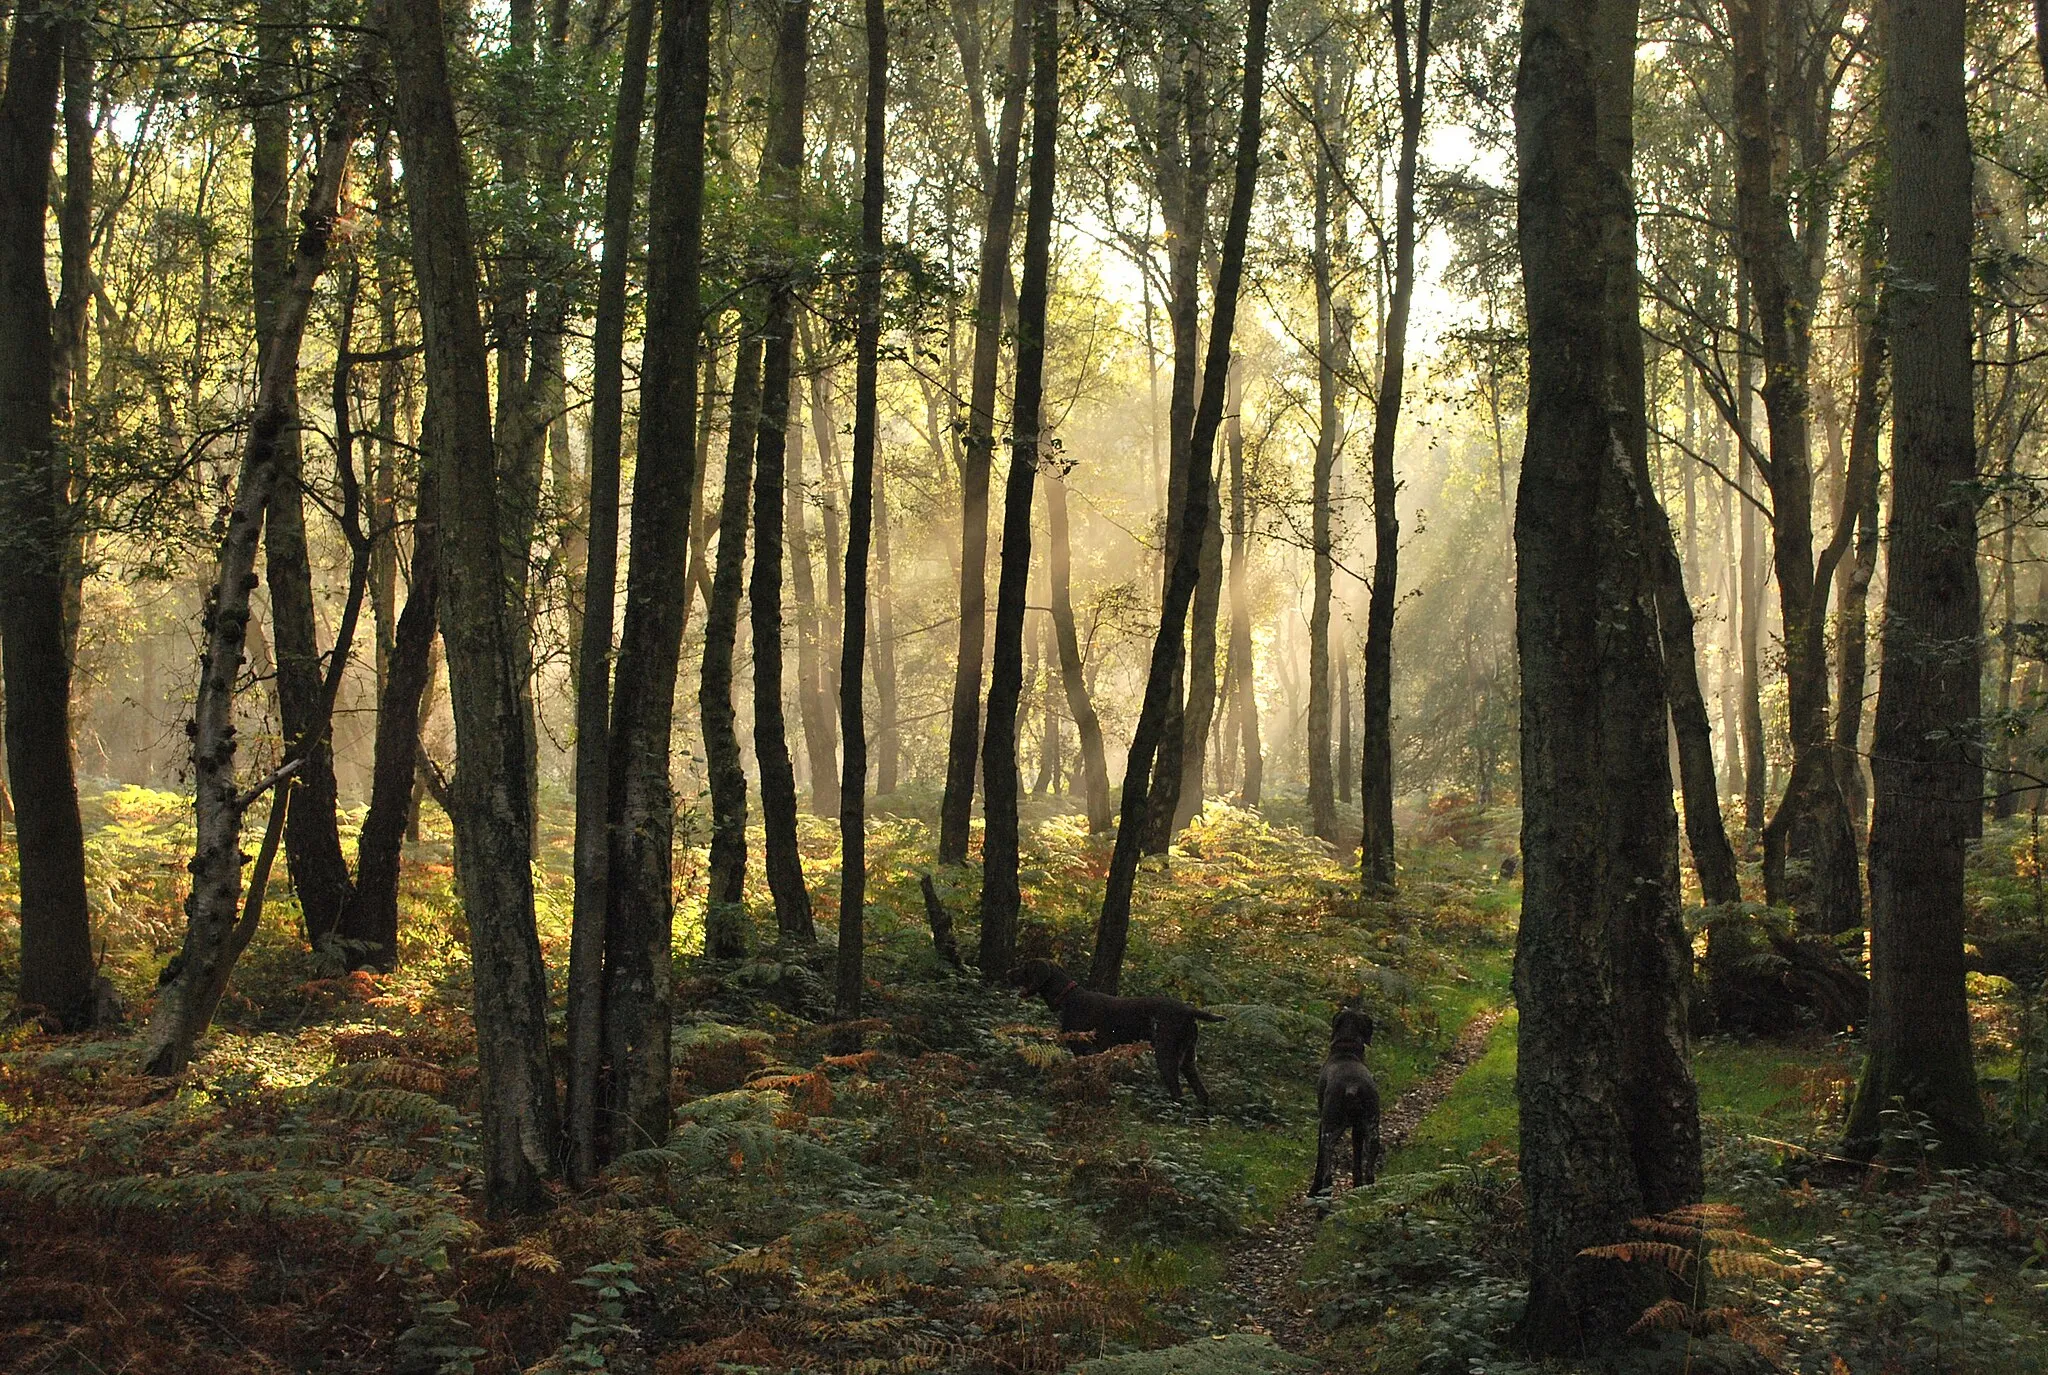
(1926, 759)
(312, 834)
(589, 916)
(853, 781)
(1113, 925)
(1713, 858)
(781, 170)
(1609, 1112)
(192, 983)
(1852, 611)
(640, 912)
(484, 629)
(1094, 772)
(1000, 899)
(1376, 789)
(963, 745)
(56, 933)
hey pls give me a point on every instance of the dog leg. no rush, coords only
(1187, 1065)
(1357, 1152)
(1168, 1057)
(1320, 1184)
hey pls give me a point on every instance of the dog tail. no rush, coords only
(1202, 1016)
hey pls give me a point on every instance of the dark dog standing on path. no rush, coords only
(1168, 1023)
(1347, 1099)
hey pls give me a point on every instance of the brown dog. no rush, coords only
(1168, 1023)
(1347, 1099)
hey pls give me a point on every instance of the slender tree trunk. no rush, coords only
(1344, 741)
(312, 835)
(853, 782)
(1751, 580)
(1332, 359)
(1000, 899)
(1080, 705)
(1713, 858)
(1926, 762)
(888, 734)
(1183, 175)
(74, 299)
(977, 453)
(1852, 616)
(1811, 821)
(593, 844)
(370, 923)
(1112, 931)
(820, 734)
(724, 922)
(1243, 673)
(56, 939)
(1199, 713)
(1377, 789)
(484, 627)
(640, 911)
(781, 171)
(193, 981)
(1609, 1111)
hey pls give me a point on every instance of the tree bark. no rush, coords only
(56, 940)
(1244, 676)
(591, 901)
(781, 171)
(1776, 126)
(853, 781)
(1713, 858)
(640, 911)
(1926, 759)
(820, 734)
(191, 983)
(1333, 348)
(1094, 772)
(1112, 930)
(1000, 898)
(312, 834)
(1609, 1114)
(977, 453)
(484, 629)
(1376, 863)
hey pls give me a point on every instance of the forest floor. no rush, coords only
(963, 1195)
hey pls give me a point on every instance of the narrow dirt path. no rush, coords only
(1265, 1268)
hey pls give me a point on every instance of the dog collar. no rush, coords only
(1061, 996)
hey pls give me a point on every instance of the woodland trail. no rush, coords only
(1264, 1275)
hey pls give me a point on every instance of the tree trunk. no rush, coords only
(74, 299)
(1377, 787)
(1773, 120)
(591, 901)
(484, 628)
(1242, 672)
(1112, 930)
(853, 781)
(1333, 349)
(370, 923)
(1852, 615)
(1751, 588)
(1926, 761)
(1000, 899)
(1713, 858)
(191, 984)
(56, 940)
(781, 171)
(1198, 715)
(640, 912)
(977, 453)
(1183, 175)
(1080, 705)
(1609, 1113)
(312, 834)
(888, 735)
(724, 922)
(820, 735)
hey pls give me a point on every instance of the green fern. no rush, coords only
(1238, 1354)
